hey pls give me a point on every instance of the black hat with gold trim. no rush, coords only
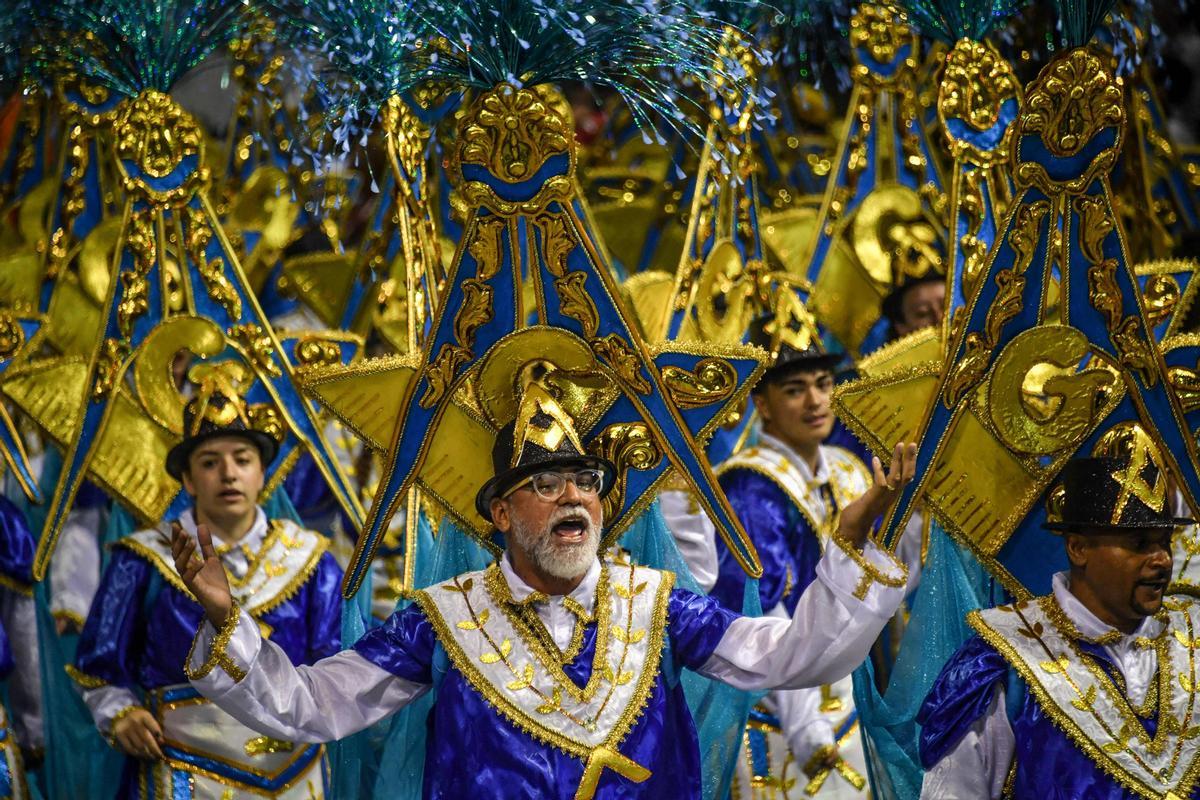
(542, 437)
(1111, 495)
(217, 409)
(792, 338)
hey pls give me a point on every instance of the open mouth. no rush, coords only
(570, 531)
(230, 495)
(1158, 586)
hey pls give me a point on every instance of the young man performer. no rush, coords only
(131, 655)
(788, 491)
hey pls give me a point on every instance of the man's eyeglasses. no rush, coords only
(551, 485)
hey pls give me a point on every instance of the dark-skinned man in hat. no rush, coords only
(552, 669)
(135, 642)
(1086, 693)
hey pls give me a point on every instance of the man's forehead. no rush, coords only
(222, 445)
(804, 377)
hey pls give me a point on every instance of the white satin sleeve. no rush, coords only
(978, 765)
(105, 702)
(19, 615)
(256, 683)
(694, 535)
(75, 565)
(835, 623)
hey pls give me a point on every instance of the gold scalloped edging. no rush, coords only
(1061, 721)
(217, 654)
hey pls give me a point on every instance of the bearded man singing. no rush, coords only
(555, 670)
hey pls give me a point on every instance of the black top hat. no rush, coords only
(216, 410)
(1111, 495)
(510, 466)
(787, 360)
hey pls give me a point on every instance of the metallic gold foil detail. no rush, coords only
(711, 381)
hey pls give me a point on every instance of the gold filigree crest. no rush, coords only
(512, 132)
(153, 136)
(1073, 100)
(881, 31)
(976, 83)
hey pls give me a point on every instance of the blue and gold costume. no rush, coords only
(138, 634)
(18, 651)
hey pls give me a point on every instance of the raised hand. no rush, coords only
(858, 516)
(203, 575)
(138, 734)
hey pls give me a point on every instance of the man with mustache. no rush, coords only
(131, 654)
(555, 670)
(1088, 692)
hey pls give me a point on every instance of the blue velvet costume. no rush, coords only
(16, 574)
(474, 752)
(787, 545)
(140, 628)
(1049, 766)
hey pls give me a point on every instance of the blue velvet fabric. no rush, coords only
(473, 752)
(16, 563)
(124, 643)
(16, 544)
(787, 545)
(1049, 765)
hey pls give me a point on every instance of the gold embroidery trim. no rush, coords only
(517, 716)
(217, 653)
(871, 573)
(544, 650)
(14, 585)
(167, 569)
(83, 679)
(1064, 723)
(1116, 693)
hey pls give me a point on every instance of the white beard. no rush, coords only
(559, 560)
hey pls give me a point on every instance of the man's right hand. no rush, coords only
(203, 575)
(138, 734)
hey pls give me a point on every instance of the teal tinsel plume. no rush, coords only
(133, 45)
(951, 20)
(1079, 19)
(18, 26)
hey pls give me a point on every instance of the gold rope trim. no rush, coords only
(83, 679)
(217, 655)
(498, 588)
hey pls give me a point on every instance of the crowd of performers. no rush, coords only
(592, 399)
